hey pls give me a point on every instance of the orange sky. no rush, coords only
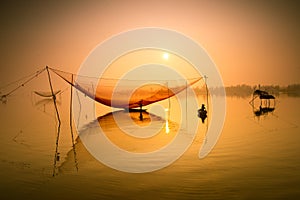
(250, 41)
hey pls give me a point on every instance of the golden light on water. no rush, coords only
(167, 121)
(167, 127)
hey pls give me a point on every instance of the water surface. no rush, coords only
(254, 158)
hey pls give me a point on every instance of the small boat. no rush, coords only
(265, 105)
(263, 94)
(135, 110)
(46, 94)
(202, 113)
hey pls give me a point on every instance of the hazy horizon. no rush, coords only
(250, 41)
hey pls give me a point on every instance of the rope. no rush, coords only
(56, 71)
(32, 76)
(20, 79)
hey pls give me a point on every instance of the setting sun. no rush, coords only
(166, 56)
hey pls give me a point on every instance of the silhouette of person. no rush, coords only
(203, 107)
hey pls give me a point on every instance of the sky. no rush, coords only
(251, 42)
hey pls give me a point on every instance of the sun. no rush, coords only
(166, 56)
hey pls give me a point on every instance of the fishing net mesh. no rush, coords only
(125, 93)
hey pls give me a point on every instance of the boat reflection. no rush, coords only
(263, 111)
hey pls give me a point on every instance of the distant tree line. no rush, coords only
(291, 90)
(244, 90)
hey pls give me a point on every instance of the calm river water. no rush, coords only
(255, 157)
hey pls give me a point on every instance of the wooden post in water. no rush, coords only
(59, 122)
(71, 128)
(205, 79)
(169, 102)
(141, 110)
(186, 105)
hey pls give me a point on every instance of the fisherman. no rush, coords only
(203, 108)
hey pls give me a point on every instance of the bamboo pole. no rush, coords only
(59, 122)
(71, 128)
